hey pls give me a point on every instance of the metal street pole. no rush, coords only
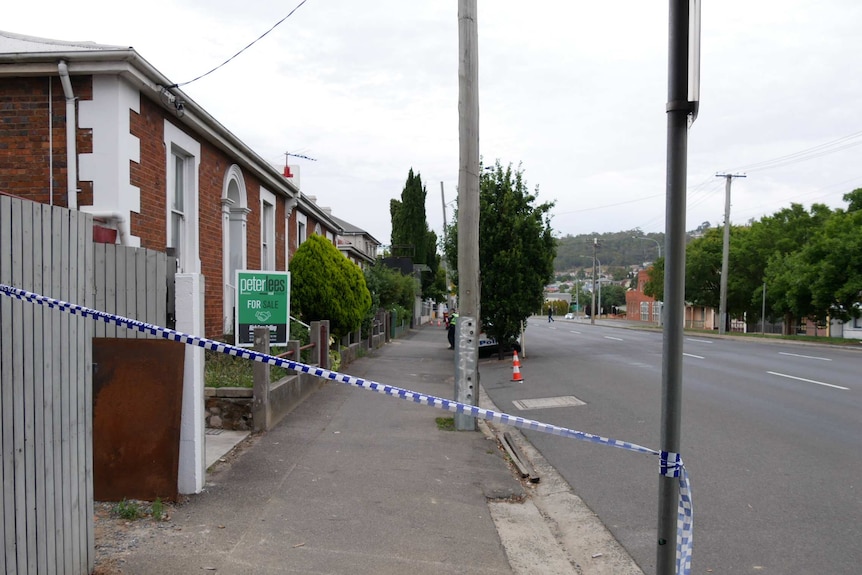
(657, 244)
(680, 106)
(593, 315)
(467, 326)
(600, 286)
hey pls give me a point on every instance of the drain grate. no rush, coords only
(213, 431)
(547, 402)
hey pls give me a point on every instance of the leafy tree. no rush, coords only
(854, 200)
(654, 286)
(580, 296)
(829, 267)
(789, 290)
(703, 269)
(326, 285)
(613, 295)
(389, 288)
(411, 236)
(838, 254)
(516, 251)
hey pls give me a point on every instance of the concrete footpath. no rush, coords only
(355, 482)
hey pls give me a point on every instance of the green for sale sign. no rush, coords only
(262, 300)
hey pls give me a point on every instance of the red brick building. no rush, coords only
(99, 129)
(639, 306)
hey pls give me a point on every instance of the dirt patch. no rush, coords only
(116, 535)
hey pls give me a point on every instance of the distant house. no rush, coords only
(356, 244)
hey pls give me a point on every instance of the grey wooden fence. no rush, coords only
(46, 518)
(134, 283)
(46, 358)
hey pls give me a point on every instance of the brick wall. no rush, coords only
(29, 142)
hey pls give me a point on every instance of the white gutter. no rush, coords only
(71, 149)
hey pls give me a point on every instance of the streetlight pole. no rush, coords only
(657, 244)
(597, 285)
(593, 315)
(578, 296)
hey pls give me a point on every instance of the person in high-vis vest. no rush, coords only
(453, 319)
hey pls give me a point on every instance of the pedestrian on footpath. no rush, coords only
(453, 321)
(550, 314)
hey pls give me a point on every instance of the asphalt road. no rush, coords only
(771, 436)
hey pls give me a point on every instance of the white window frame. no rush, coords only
(267, 230)
(301, 228)
(182, 153)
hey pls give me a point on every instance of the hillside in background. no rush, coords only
(617, 249)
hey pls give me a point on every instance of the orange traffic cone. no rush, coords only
(516, 368)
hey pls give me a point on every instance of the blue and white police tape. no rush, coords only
(671, 464)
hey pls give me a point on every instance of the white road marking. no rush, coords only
(573, 331)
(695, 356)
(805, 356)
(614, 338)
(699, 340)
(808, 380)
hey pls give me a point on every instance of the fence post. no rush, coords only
(387, 326)
(293, 346)
(260, 403)
(314, 340)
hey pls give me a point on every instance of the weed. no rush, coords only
(445, 423)
(334, 360)
(157, 509)
(128, 510)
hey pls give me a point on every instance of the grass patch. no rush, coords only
(445, 423)
(840, 341)
(222, 370)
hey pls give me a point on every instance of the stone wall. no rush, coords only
(228, 408)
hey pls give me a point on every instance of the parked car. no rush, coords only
(570, 315)
(487, 345)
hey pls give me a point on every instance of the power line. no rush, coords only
(274, 26)
(806, 154)
(609, 205)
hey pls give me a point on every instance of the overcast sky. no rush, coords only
(573, 91)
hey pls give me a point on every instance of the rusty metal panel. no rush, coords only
(137, 405)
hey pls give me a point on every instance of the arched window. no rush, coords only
(234, 237)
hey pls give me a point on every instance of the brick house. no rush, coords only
(639, 306)
(97, 128)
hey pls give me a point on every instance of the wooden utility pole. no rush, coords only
(467, 327)
(723, 320)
